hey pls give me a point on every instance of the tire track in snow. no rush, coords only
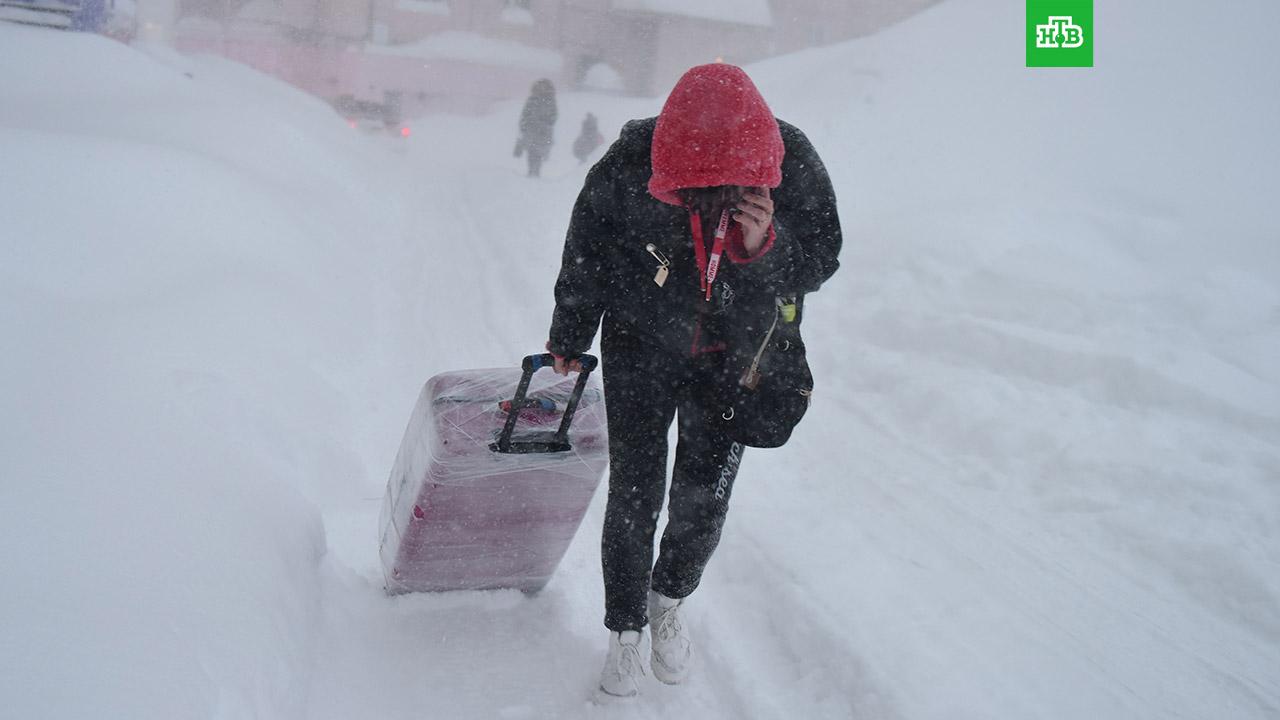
(488, 240)
(787, 633)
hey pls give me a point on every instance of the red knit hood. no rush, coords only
(715, 129)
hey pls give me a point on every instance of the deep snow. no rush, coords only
(1041, 477)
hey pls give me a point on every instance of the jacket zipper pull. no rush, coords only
(751, 376)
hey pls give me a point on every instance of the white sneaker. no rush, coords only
(672, 647)
(622, 668)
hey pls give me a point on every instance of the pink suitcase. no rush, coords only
(480, 498)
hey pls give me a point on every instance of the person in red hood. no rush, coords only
(684, 233)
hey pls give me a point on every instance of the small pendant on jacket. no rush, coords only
(659, 277)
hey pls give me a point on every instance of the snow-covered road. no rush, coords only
(1040, 478)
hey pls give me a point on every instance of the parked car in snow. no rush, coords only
(114, 18)
(372, 117)
(84, 15)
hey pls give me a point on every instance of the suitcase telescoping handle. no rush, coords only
(543, 442)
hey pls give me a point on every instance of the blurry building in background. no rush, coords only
(464, 55)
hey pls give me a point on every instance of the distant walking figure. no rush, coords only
(537, 121)
(588, 139)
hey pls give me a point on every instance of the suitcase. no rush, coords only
(484, 497)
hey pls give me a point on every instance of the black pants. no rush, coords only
(644, 390)
(537, 153)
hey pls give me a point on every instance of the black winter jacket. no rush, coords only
(538, 120)
(606, 268)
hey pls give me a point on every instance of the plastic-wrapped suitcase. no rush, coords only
(492, 479)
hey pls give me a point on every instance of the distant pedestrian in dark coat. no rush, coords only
(588, 139)
(537, 122)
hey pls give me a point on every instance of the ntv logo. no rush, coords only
(1059, 33)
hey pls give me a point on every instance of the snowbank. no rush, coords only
(1038, 480)
(1048, 420)
(751, 12)
(471, 47)
(174, 231)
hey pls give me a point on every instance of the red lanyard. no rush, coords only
(707, 270)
